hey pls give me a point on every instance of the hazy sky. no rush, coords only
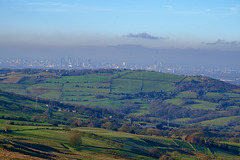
(212, 24)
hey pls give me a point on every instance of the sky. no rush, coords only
(178, 24)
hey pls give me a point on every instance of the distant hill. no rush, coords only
(162, 95)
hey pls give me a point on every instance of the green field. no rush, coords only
(51, 95)
(186, 95)
(219, 121)
(126, 86)
(182, 119)
(153, 76)
(134, 102)
(113, 89)
(54, 86)
(232, 95)
(72, 88)
(157, 86)
(214, 95)
(91, 78)
(174, 101)
(198, 104)
(15, 88)
(98, 144)
(221, 153)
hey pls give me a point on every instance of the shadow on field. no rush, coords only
(115, 150)
(39, 147)
(25, 151)
(154, 144)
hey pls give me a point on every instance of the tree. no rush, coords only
(151, 131)
(159, 126)
(155, 152)
(124, 128)
(75, 139)
(107, 125)
(54, 122)
(7, 126)
(66, 128)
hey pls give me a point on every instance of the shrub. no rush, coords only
(75, 139)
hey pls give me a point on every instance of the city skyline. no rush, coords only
(181, 33)
(224, 73)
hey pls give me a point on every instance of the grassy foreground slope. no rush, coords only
(53, 143)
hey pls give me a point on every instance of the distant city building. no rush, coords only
(228, 74)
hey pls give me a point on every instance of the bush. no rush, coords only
(99, 96)
(155, 152)
(166, 157)
(75, 139)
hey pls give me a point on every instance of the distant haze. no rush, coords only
(199, 32)
(126, 53)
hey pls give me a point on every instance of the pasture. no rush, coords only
(130, 86)
(219, 121)
(199, 104)
(157, 86)
(153, 76)
(96, 144)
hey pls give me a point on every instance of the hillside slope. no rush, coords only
(191, 99)
(203, 115)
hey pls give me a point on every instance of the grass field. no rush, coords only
(215, 95)
(87, 85)
(23, 122)
(223, 154)
(153, 76)
(91, 100)
(113, 88)
(54, 86)
(182, 119)
(174, 101)
(97, 144)
(202, 105)
(219, 121)
(91, 78)
(126, 86)
(157, 86)
(232, 95)
(15, 88)
(71, 88)
(51, 95)
(17, 102)
(232, 143)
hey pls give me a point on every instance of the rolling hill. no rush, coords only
(142, 115)
(141, 92)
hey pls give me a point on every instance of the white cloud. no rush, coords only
(221, 42)
(234, 10)
(145, 35)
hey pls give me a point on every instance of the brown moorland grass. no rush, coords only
(11, 79)
(7, 155)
